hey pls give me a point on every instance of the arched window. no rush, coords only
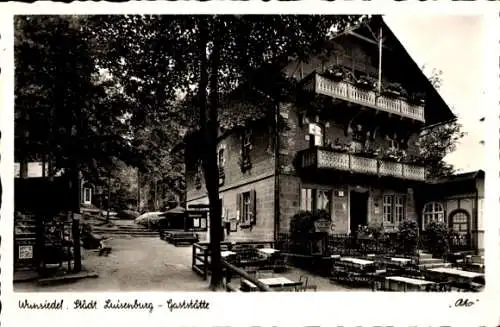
(459, 221)
(432, 211)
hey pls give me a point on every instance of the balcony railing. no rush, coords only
(349, 92)
(330, 159)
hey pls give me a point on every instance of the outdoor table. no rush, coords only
(359, 263)
(268, 251)
(248, 286)
(401, 261)
(282, 283)
(225, 254)
(399, 283)
(457, 274)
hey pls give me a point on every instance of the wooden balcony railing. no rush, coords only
(349, 92)
(324, 158)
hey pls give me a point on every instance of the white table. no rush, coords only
(401, 260)
(399, 283)
(279, 282)
(225, 254)
(456, 272)
(361, 262)
(268, 251)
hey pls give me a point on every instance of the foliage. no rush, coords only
(437, 238)
(407, 236)
(63, 110)
(437, 142)
(129, 78)
(375, 230)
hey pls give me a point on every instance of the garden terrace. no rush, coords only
(327, 158)
(346, 91)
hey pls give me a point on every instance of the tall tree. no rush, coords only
(440, 140)
(206, 58)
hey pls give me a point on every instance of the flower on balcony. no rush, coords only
(394, 90)
(366, 82)
(339, 146)
(336, 72)
(394, 154)
(369, 150)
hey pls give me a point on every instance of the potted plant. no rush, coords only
(370, 151)
(336, 72)
(365, 82)
(339, 146)
(394, 90)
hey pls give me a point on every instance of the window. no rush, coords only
(87, 195)
(460, 222)
(399, 206)
(316, 137)
(306, 200)
(388, 213)
(432, 211)
(247, 138)
(313, 199)
(246, 208)
(323, 201)
(394, 208)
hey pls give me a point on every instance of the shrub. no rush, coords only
(407, 237)
(375, 230)
(436, 238)
(302, 226)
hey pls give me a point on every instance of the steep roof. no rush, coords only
(436, 109)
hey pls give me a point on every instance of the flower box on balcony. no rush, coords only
(336, 73)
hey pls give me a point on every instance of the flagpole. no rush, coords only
(379, 86)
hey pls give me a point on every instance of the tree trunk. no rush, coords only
(108, 204)
(208, 124)
(211, 167)
(138, 191)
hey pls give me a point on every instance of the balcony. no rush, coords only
(349, 92)
(330, 159)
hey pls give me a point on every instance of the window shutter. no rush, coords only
(253, 207)
(239, 208)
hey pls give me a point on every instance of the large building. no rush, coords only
(349, 147)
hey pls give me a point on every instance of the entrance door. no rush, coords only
(358, 210)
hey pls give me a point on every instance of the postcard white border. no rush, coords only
(276, 309)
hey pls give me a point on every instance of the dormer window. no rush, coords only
(316, 135)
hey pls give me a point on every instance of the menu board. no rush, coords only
(199, 219)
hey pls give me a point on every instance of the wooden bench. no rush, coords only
(177, 238)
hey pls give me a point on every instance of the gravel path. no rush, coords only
(148, 264)
(134, 264)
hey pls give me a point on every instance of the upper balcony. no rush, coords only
(325, 158)
(349, 92)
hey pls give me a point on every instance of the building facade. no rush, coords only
(350, 146)
(457, 201)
